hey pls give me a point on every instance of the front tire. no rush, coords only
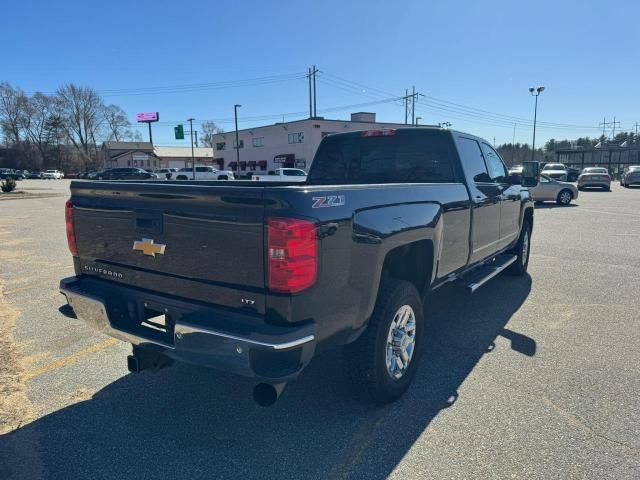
(382, 363)
(564, 197)
(522, 250)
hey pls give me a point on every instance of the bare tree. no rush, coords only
(35, 121)
(117, 124)
(12, 105)
(209, 129)
(56, 130)
(82, 110)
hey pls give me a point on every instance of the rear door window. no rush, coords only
(473, 161)
(404, 157)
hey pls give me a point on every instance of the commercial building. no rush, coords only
(145, 155)
(614, 157)
(179, 157)
(286, 144)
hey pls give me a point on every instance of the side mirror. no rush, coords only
(513, 179)
(530, 174)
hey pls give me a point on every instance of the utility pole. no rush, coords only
(235, 110)
(193, 161)
(310, 97)
(196, 132)
(613, 133)
(413, 105)
(604, 126)
(314, 71)
(413, 96)
(406, 105)
(535, 91)
(513, 143)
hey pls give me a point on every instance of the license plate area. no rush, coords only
(146, 319)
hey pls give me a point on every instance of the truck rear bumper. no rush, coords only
(191, 332)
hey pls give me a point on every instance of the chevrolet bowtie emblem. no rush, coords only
(147, 247)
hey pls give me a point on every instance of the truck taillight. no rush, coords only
(71, 236)
(292, 249)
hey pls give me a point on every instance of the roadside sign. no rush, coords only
(148, 117)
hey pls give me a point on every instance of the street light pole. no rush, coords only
(193, 162)
(535, 91)
(418, 120)
(235, 111)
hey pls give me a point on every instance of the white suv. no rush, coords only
(52, 174)
(557, 171)
(204, 173)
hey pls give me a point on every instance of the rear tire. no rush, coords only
(371, 361)
(521, 250)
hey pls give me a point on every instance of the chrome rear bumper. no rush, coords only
(265, 352)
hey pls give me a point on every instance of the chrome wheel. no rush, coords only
(525, 247)
(565, 197)
(401, 342)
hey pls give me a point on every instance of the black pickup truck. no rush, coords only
(256, 278)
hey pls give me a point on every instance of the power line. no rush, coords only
(278, 116)
(196, 87)
(475, 113)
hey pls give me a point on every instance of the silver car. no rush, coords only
(631, 176)
(594, 177)
(550, 190)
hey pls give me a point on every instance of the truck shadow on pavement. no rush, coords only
(548, 205)
(188, 422)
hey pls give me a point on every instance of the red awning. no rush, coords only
(233, 165)
(262, 163)
(243, 165)
(252, 163)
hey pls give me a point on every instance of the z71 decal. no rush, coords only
(328, 201)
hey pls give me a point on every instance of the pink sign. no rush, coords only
(148, 117)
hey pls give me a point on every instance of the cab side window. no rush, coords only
(497, 170)
(473, 161)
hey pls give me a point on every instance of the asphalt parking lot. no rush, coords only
(532, 377)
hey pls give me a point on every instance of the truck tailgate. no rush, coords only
(201, 242)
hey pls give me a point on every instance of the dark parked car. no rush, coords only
(573, 174)
(255, 278)
(35, 175)
(10, 173)
(125, 174)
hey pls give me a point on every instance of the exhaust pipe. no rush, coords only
(266, 394)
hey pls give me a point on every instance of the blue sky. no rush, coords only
(469, 58)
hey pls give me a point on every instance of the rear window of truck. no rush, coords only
(404, 157)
